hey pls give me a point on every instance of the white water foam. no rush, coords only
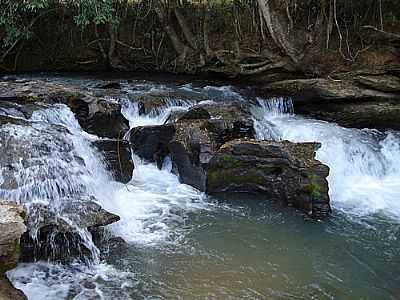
(154, 205)
(157, 116)
(364, 164)
(76, 281)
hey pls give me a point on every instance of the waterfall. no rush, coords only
(52, 164)
(153, 206)
(364, 164)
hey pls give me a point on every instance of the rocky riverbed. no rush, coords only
(93, 160)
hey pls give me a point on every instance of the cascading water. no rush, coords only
(152, 207)
(181, 246)
(154, 200)
(48, 160)
(364, 164)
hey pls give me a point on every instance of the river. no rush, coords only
(182, 244)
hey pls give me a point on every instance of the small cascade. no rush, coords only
(157, 116)
(60, 165)
(266, 112)
(50, 171)
(154, 204)
(365, 166)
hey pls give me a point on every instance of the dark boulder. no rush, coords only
(282, 171)
(109, 85)
(229, 121)
(196, 113)
(197, 139)
(193, 145)
(151, 142)
(118, 158)
(99, 117)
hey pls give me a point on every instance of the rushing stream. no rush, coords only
(182, 244)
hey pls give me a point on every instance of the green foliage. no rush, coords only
(18, 16)
(314, 188)
(93, 11)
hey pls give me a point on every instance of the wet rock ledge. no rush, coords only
(11, 229)
(360, 99)
(94, 113)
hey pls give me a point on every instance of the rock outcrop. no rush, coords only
(11, 229)
(95, 114)
(212, 149)
(361, 99)
(282, 171)
(193, 139)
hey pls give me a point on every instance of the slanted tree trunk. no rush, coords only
(177, 44)
(296, 41)
(278, 25)
(185, 29)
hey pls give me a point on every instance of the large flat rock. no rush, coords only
(281, 171)
(12, 227)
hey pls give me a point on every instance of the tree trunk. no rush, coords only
(277, 28)
(185, 29)
(178, 45)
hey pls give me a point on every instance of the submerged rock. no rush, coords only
(118, 158)
(11, 229)
(282, 171)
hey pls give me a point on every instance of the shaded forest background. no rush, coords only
(242, 38)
